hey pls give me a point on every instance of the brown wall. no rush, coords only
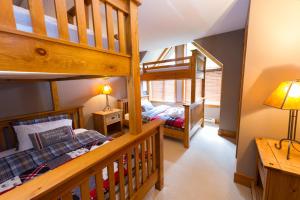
(228, 49)
(23, 98)
(272, 56)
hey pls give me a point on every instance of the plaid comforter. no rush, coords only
(23, 166)
(173, 116)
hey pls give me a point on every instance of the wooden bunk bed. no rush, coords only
(191, 67)
(38, 56)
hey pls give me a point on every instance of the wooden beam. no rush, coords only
(33, 53)
(7, 18)
(134, 93)
(54, 95)
(207, 54)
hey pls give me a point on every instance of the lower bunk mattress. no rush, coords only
(172, 116)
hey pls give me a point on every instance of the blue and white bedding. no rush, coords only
(23, 23)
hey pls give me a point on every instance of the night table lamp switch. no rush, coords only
(287, 97)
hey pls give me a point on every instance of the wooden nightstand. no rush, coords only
(277, 177)
(107, 122)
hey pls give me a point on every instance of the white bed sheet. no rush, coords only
(23, 23)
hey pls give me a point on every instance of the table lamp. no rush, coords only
(106, 89)
(287, 97)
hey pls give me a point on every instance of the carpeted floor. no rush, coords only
(203, 172)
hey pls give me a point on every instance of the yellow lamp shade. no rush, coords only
(106, 89)
(286, 96)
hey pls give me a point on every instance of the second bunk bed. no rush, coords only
(181, 120)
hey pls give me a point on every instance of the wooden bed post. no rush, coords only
(54, 95)
(134, 83)
(160, 159)
(193, 79)
(186, 137)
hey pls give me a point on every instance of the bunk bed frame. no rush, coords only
(191, 67)
(47, 58)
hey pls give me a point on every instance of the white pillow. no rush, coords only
(23, 131)
(147, 105)
(79, 130)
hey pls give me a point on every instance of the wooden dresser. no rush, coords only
(277, 177)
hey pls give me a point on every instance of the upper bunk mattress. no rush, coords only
(23, 23)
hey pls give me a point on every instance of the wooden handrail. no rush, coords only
(47, 185)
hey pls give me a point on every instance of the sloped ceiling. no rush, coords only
(165, 23)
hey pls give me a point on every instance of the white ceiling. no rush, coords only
(165, 23)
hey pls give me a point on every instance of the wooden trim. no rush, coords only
(227, 133)
(7, 18)
(54, 95)
(243, 179)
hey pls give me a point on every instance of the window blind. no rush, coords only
(187, 90)
(213, 83)
(162, 91)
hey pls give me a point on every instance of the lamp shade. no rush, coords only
(286, 96)
(106, 89)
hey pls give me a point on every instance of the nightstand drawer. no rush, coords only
(112, 118)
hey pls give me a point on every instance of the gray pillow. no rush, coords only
(47, 138)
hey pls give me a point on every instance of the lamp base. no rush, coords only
(291, 137)
(290, 141)
(107, 107)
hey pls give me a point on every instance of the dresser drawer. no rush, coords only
(112, 118)
(262, 172)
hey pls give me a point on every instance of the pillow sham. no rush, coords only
(146, 105)
(23, 131)
(53, 136)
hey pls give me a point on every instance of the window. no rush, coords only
(187, 90)
(213, 82)
(163, 91)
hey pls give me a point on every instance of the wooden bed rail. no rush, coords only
(31, 50)
(189, 67)
(59, 183)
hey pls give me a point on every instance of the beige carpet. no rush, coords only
(203, 172)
